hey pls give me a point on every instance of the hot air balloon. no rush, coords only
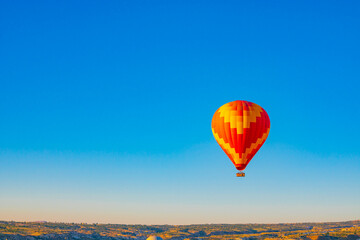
(154, 238)
(240, 128)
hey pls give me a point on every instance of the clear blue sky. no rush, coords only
(106, 108)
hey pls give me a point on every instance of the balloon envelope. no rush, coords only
(240, 128)
(154, 238)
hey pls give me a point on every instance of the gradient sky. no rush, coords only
(105, 110)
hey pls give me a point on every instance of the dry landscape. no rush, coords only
(49, 230)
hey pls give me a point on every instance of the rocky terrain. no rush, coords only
(45, 230)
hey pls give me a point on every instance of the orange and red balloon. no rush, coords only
(240, 128)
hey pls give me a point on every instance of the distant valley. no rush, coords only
(48, 230)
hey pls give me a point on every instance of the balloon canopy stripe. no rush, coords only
(240, 128)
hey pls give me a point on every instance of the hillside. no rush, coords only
(46, 230)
